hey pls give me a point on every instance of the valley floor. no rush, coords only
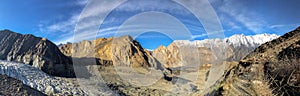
(102, 80)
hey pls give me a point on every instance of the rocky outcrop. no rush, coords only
(118, 51)
(272, 68)
(126, 51)
(177, 56)
(35, 51)
(11, 86)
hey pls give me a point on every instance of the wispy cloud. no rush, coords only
(63, 29)
(81, 2)
(95, 12)
(285, 25)
(151, 36)
(63, 26)
(236, 12)
(281, 29)
(199, 36)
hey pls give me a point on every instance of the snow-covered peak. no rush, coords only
(235, 40)
(249, 41)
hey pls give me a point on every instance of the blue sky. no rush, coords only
(56, 19)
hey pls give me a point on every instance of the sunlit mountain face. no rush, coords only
(149, 47)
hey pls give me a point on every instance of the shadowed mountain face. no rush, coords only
(275, 64)
(38, 52)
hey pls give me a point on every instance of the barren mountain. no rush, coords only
(272, 69)
(35, 51)
(209, 50)
(177, 56)
(112, 51)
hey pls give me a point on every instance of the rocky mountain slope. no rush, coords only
(272, 69)
(177, 56)
(44, 55)
(112, 51)
(126, 51)
(235, 47)
(11, 86)
(41, 54)
(35, 51)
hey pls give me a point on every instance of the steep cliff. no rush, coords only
(38, 52)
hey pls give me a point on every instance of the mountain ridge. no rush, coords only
(272, 67)
(38, 52)
(122, 50)
(235, 47)
(237, 39)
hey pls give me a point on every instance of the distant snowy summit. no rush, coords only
(234, 40)
(250, 41)
(233, 48)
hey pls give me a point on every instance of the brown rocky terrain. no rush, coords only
(185, 83)
(177, 56)
(184, 69)
(126, 51)
(112, 51)
(38, 52)
(11, 86)
(272, 69)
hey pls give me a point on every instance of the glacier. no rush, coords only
(39, 80)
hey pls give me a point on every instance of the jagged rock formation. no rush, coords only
(11, 86)
(35, 51)
(272, 69)
(177, 56)
(118, 51)
(235, 47)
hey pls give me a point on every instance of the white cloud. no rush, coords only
(236, 11)
(285, 25)
(62, 30)
(64, 26)
(199, 36)
(158, 5)
(152, 36)
(64, 41)
(81, 2)
(95, 12)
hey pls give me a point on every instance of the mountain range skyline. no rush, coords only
(36, 57)
(149, 48)
(234, 39)
(48, 20)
